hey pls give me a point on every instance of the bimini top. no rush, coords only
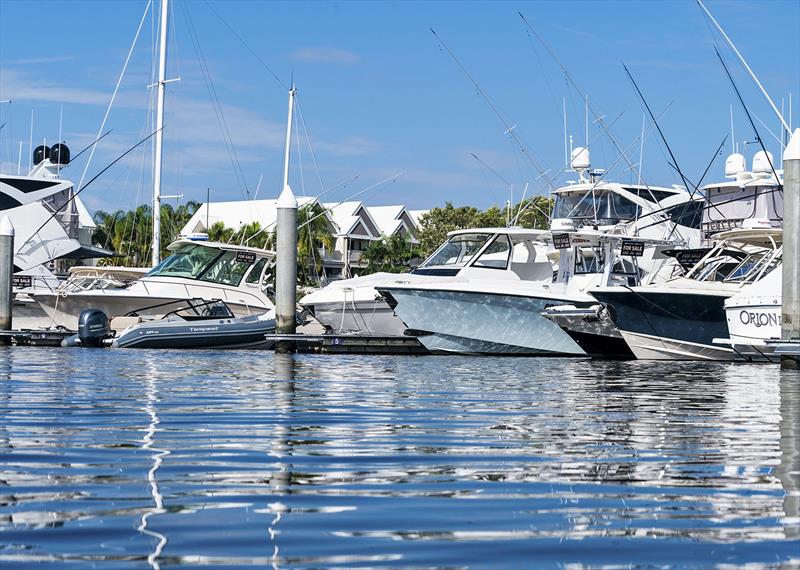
(177, 244)
(522, 233)
(760, 237)
(646, 192)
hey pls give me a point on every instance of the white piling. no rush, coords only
(6, 271)
(790, 321)
(286, 267)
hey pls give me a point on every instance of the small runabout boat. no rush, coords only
(195, 324)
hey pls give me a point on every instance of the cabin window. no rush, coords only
(651, 195)
(458, 250)
(689, 214)
(226, 270)
(601, 205)
(496, 255)
(255, 274)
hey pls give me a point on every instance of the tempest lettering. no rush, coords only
(758, 319)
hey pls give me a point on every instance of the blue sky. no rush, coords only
(380, 96)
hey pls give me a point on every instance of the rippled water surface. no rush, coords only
(124, 459)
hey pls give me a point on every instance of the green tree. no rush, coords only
(393, 254)
(534, 212)
(313, 236)
(437, 222)
(130, 233)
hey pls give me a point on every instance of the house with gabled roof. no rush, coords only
(394, 220)
(238, 213)
(353, 225)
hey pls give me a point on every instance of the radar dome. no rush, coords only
(763, 163)
(59, 154)
(579, 159)
(40, 153)
(735, 164)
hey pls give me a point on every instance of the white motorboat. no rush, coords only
(503, 316)
(753, 316)
(43, 210)
(490, 315)
(237, 275)
(680, 318)
(355, 305)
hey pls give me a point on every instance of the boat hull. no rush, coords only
(63, 310)
(371, 317)
(246, 333)
(751, 324)
(665, 325)
(594, 331)
(462, 322)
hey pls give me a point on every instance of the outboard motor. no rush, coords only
(93, 327)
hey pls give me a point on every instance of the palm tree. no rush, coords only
(394, 254)
(314, 236)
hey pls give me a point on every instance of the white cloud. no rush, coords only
(337, 56)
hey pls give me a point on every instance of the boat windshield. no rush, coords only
(457, 251)
(717, 268)
(752, 265)
(188, 261)
(603, 205)
(206, 264)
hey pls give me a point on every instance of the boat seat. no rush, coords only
(122, 323)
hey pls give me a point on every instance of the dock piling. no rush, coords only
(6, 272)
(790, 317)
(286, 268)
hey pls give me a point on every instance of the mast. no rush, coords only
(159, 137)
(292, 93)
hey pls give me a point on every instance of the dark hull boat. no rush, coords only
(663, 324)
(196, 324)
(232, 333)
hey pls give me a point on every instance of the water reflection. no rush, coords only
(281, 448)
(302, 460)
(157, 458)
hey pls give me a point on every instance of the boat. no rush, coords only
(196, 324)
(184, 324)
(356, 306)
(591, 220)
(491, 315)
(238, 275)
(753, 317)
(680, 318)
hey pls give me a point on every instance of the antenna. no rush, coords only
(586, 116)
(641, 153)
(30, 146)
(749, 118)
(509, 128)
(566, 152)
(733, 137)
(747, 67)
(60, 128)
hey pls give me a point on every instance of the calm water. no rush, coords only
(124, 459)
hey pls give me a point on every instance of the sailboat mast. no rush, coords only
(159, 137)
(292, 93)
